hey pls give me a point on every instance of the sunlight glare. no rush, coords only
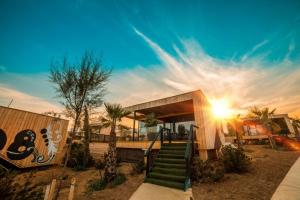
(221, 108)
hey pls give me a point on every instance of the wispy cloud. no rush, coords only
(254, 49)
(24, 101)
(248, 82)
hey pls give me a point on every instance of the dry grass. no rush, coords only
(122, 192)
(267, 171)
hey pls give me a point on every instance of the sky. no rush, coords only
(246, 51)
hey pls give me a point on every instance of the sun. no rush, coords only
(221, 108)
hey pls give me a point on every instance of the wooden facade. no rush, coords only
(192, 106)
(29, 139)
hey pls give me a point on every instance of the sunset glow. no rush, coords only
(221, 108)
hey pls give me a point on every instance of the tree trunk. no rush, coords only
(70, 143)
(86, 128)
(110, 170)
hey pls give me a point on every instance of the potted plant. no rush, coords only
(151, 126)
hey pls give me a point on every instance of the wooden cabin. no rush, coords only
(190, 107)
(29, 139)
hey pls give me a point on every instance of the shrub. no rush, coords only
(208, 171)
(138, 168)
(97, 185)
(99, 164)
(235, 160)
(119, 179)
(77, 157)
(6, 182)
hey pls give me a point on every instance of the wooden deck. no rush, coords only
(246, 137)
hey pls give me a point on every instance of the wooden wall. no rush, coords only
(204, 119)
(29, 139)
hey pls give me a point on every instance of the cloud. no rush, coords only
(24, 101)
(247, 82)
(254, 49)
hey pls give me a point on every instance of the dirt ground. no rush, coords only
(267, 171)
(41, 178)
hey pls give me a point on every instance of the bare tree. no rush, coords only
(79, 84)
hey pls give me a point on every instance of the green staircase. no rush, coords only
(169, 167)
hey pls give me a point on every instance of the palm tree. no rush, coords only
(265, 117)
(114, 114)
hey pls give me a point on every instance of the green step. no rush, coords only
(180, 172)
(175, 144)
(173, 148)
(168, 160)
(171, 184)
(176, 152)
(167, 165)
(160, 155)
(168, 177)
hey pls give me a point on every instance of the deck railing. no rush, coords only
(189, 155)
(149, 153)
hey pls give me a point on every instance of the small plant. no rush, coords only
(97, 185)
(119, 179)
(138, 168)
(181, 130)
(235, 160)
(207, 171)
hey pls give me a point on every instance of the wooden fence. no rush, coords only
(29, 139)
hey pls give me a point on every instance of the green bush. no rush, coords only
(77, 157)
(235, 160)
(119, 179)
(208, 171)
(97, 185)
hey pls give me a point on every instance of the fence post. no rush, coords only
(72, 188)
(52, 189)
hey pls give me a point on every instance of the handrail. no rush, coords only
(189, 154)
(147, 153)
(152, 143)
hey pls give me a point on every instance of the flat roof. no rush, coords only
(174, 108)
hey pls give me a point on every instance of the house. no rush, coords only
(188, 108)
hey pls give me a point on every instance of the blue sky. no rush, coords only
(135, 36)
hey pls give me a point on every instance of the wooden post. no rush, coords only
(138, 131)
(133, 129)
(47, 192)
(72, 188)
(174, 127)
(52, 189)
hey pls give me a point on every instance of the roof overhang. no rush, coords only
(171, 109)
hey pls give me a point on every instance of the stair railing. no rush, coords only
(149, 154)
(189, 154)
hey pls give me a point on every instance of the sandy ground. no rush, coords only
(40, 178)
(267, 171)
